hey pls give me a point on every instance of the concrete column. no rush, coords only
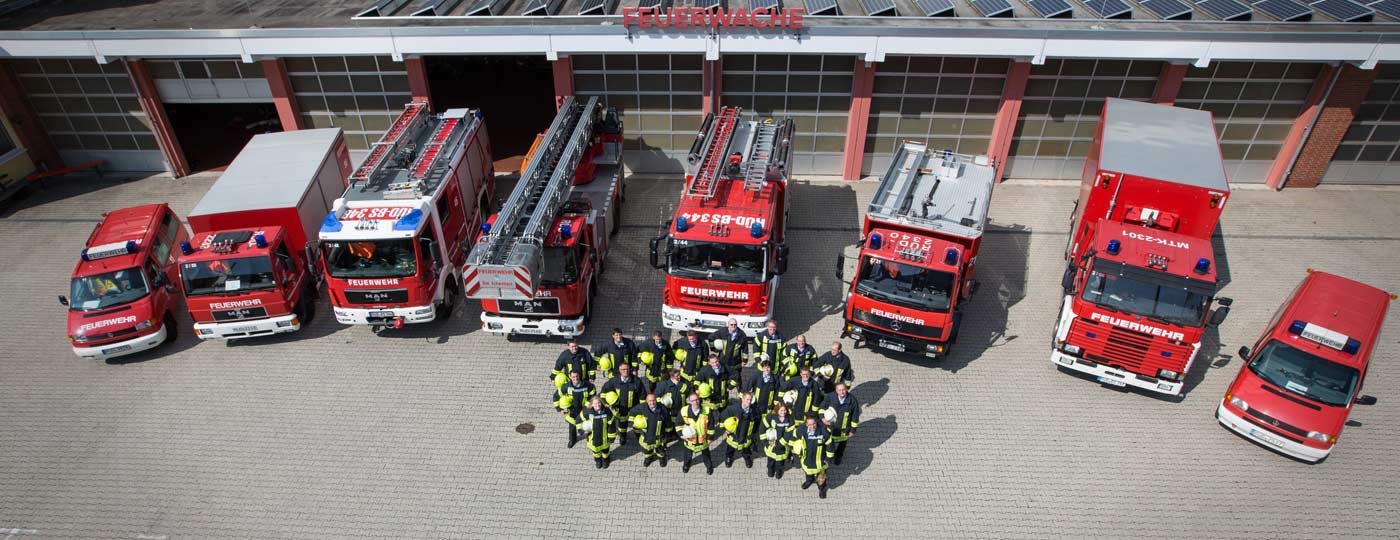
(149, 98)
(858, 120)
(563, 79)
(1007, 114)
(418, 79)
(711, 75)
(1332, 124)
(275, 71)
(1312, 106)
(1169, 83)
(25, 120)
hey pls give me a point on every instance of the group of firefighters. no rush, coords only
(794, 405)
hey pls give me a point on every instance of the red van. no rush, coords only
(123, 287)
(1298, 383)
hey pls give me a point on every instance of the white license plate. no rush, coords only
(245, 329)
(532, 331)
(1265, 436)
(115, 350)
(891, 345)
(380, 314)
(1112, 381)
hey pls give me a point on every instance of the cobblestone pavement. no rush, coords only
(340, 433)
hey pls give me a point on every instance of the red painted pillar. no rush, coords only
(563, 79)
(1332, 124)
(418, 79)
(275, 71)
(26, 122)
(149, 98)
(1007, 114)
(711, 73)
(858, 120)
(1169, 83)
(1299, 132)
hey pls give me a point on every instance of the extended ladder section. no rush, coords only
(414, 157)
(504, 264)
(403, 130)
(710, 152)
(935, 191)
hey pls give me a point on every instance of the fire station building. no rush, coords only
(1303, 92)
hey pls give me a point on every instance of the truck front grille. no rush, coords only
(1134, 351)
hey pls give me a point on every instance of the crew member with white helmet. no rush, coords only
(732, 344)
(802, 392)
(777, 427)
(841, 414)
(600, 427)
(834, 367)
(695, 433)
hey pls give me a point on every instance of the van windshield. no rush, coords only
(371, 258)
(1305, 374)
(106, 290)
(225, 276)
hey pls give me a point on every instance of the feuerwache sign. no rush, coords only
(712, 18)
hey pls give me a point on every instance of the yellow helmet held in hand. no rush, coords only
(639, 422)
(826, 370)
(704, 390)
(731, 424)
(680, 354)
(646, 357)
(798, 445)
(605, 362)
(559, 380)
(566, 401)
(610, 397)
(665, 400)
(790, 369)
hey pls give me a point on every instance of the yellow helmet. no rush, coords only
(559, 380)
(680, 354)
(665, 400)
(790, 369)
(610, 397)
(566, 401)
(639, 422)
(826, 370)
(789, 397)
(646, 357)
(829, 415)
(704, 390)
(798, 445)
(731, 424)
(605, 362)
(718, 344)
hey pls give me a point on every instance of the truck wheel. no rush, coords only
(307, 307)
(449, 303)
(616, 219)
(172, 331)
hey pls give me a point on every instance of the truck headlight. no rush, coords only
(425, 311)
(203, 331)
(1071, 349)
(853, 329)
(145, 324)
(287, 324)
(1237, 402)
(1168, 374)
(1321, 437)
(494, 326)
(935, 349)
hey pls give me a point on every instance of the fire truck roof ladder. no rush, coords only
(524, 219)
(713, 153)
(936, 190)
(765, 141)
(408, 122)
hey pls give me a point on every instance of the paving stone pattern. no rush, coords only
(340, 433)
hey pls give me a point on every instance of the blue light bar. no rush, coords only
(950, 256)
(1113, 247)
(1352, 346)
(485, 228)
(756, 230)
(566, 231)
(186, 248)
(260, 240)
(682, 224)
(1202, 265)
(875, 241)
(1297, 327)
(331, 224)
(409, 221)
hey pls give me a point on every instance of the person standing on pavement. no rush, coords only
(695, 418)
(621, 394)
(621, 350)
(847, 418)
(777, 430)
(601, 427)
(812, 442)
(656, 422)
(768, 342)
(655, 359)
(672, 391)
(732, 344)
(805, 392)
(690, 352)
(840, 368)
(764, 387)
(569, 400)
(797, 356)
(742, 422)
(717, 377)
(574, 358)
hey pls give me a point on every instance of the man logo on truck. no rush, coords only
(1137, 326)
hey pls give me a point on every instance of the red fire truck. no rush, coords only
(390, 245)
(724, 250)
(1141, 276)
(919, 246)
(245, 271)
(1296, 389)
(536, 264)
(122, 293)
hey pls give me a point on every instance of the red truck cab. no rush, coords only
(1302, 376)
(245, 283)
(122, 289)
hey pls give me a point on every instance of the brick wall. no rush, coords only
(1332, 124)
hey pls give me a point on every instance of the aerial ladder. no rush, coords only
(728, 148)
(506, 262)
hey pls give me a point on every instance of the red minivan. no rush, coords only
(1299, 381)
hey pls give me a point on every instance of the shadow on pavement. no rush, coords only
(860, 451)
(870, 392)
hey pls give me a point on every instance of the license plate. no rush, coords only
(245, 329)
(892, 345)
(1112, 381)
(381, 314)
(533, 331)
(1264, 436)
(113, 350)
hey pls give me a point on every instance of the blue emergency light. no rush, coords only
(875, 241)
(260, 240)
(1167, 354)
(84, 256)
(1202, 265)
(1114, 246)
(186, 248)
(682, 224)
(1352, 346)
(1090, 335)
(1297, 327)
(485, 228)
(756, 230)
(950, 256)
(566, 231)
(409, 221)
(331, 224)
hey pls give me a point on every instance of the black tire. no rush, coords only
(588, 303)
(449, 303)
(306, 308)
(616, 218)
(172, 330)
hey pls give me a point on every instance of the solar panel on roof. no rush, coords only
(822, 7)
(1167, 9)
(992, 8)
(597, 7)
(487, 7)
(543, 7)
(710, 5)
(1050, 8)
(1344, 10)
(1391, 8)
(770, 5)
(1109, 9)
(941, 8)
(435, 8)
(382, 8)
(879, 7)
(1284, 10)
(654, 4)
(1225, 10)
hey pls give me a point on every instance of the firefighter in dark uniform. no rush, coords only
(600, 423)
(797, 356)
(716, 375)
(812, 443)
(696, 417)
(672, 391)
(768, 342)
(569, 400)
(654, 359)
(621, 350)
(840, 368)
(734, 350)
(847, 418)
(764, 387)
(574, 358)
(805, 393)
(656, 422)
(742, 424)
(621, 393)
(777, 430)
(690, 352)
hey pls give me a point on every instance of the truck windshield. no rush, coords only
(226, 276)
(1150, 293)
(1305, 374)
(733, 263)
(371, 258)
(560, 267)
(107, 290)
(905, 285)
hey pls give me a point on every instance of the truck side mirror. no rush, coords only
(1366, 400)
(781, 267)
(158, 279)
(430, 246)
(1244, 352)
(656, 251)
(840, 267)
(1067, 282)
(972, 286)
(62, 300)
(1224, 301)
(1218, 316)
